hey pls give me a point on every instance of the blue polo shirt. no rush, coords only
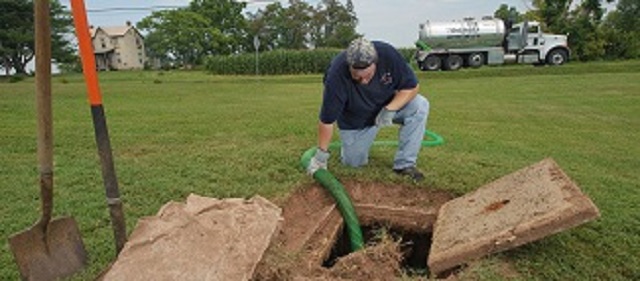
(356, 106)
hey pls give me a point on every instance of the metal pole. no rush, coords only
(256, 44)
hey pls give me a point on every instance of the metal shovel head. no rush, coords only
(55, 253)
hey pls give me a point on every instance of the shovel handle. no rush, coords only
(99, 123)
(44, 108)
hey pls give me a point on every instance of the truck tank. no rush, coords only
(462, 34)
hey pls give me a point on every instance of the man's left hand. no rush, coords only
(385, 117)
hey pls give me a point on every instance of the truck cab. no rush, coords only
(526, 43)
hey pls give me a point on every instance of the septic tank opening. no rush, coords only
(414, 246)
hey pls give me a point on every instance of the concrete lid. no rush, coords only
(524, 206)
(201, 239)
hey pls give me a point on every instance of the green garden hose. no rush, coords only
(338, 192)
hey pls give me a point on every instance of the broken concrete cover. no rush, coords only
(527, 205)
(202, 239)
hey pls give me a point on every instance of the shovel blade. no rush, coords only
(56, 253)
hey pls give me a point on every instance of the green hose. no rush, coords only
(338, 192)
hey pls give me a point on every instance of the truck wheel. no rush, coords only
(557, 57)
(475, 60)
(431, 63)
(453, 62)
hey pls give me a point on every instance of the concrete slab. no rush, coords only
(524, 206)
(201, 239)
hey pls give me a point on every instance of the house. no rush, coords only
(118, 47)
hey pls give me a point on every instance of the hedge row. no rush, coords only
(278, 62)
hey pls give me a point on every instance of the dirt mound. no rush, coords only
(376, 262)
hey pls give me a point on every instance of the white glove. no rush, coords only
(385, 117)
(319, 161)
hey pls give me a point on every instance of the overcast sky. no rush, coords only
(394, 21)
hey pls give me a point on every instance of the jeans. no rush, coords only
(413, 121)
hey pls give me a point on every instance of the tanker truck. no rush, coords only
(474, 43)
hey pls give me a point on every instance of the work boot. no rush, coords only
(411, 172)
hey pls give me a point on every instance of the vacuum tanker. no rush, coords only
(473, 43)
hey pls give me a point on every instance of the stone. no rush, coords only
(527, 205)
(201, 239)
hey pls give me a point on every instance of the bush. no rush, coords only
(273, 62)
(16, 78)
(280, 62)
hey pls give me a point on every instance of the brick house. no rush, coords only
(118, 47)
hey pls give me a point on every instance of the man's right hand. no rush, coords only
(319, 161)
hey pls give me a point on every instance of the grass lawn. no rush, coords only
(176, 133)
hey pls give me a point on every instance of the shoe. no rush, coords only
(411, 172)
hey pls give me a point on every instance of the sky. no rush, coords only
(392, 21)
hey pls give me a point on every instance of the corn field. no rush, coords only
(279, 62)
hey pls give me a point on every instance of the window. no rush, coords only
(138, 43)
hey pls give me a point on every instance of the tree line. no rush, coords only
(594, 33)
(186, 36)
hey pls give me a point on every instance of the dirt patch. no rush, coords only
(312, 225)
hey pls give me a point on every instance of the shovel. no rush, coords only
(51, 249)
(100, 124)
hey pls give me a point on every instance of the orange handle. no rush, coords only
(86, 51)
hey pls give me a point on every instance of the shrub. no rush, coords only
(280, 62)
(273, 62)
(16, 78)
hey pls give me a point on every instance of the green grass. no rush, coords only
(175, 133)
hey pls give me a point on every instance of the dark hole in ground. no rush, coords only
(414, 247)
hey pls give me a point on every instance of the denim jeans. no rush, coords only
(413, 121)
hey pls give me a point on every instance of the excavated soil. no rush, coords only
(307, 245)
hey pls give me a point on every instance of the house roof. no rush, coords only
(113, 31)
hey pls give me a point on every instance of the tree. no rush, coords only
(283, 28)
(301, 26)
(263, 24)
(335, 24)
(17, 34)
(583, 23)
(226, 16)
(586, 38)
(621, 30)
(297, 28)
(508, 14)
(553, 14)
(186, 35)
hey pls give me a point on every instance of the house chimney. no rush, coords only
(128, 23)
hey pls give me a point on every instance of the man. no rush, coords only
(367, 87)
